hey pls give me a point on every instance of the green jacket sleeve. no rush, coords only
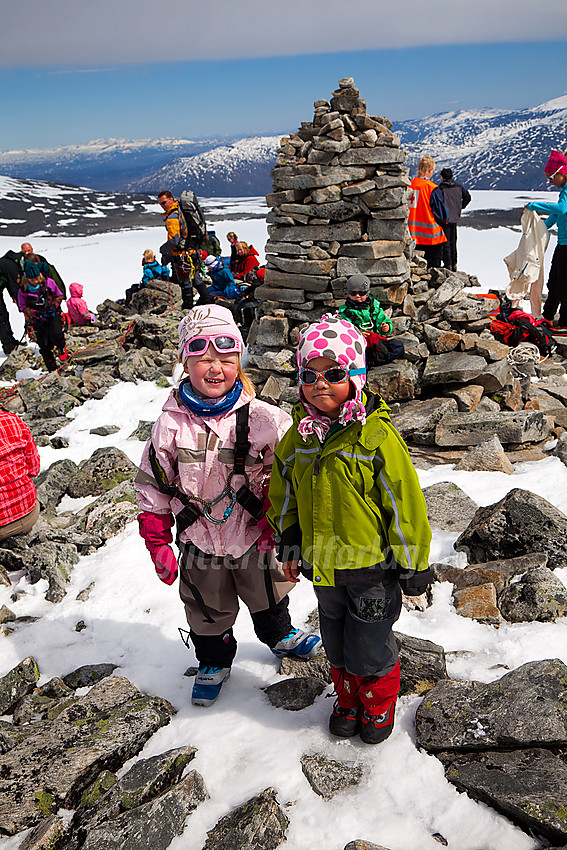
(379, 317)
(404, 508)
(283, 514)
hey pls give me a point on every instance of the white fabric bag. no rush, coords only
(525, 264)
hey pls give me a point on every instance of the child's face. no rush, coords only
(358, 297)
(327, 398)
(212, 374)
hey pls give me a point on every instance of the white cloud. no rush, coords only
(67, 32)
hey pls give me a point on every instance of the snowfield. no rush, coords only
(244, 744)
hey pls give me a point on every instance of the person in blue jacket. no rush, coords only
(152, 270)
(224, 284)
(556, 172)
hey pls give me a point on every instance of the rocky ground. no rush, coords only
(456, 397)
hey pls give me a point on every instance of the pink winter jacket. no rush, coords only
(197, 456)
(77, 306)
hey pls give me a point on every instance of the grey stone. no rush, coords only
(360, 844)
(105, 468)
(316, 176)
(525, 708)
(318, 667)
(153, 824)
(51, 561)
(470, 429)
(498, 573)
(285, 295)
(442, 296)
(21, 680)
(258, 823)
(488, 456)
(50, 832)
(537, 595)
(372, 267)
(104, 430)
(295, 694)
(518, 524)
(418, 419)
(52, 483)
(528, 786)
(395, 381)
(391, 230)
(448, 507)
(373, 156)
(453, 367)
(273, 388)
(377, 249)
(496, 376)
(346, 232)
(51, 767)
(272, 331)
(108, 515)
(327, 776)
(468, 311)
(300, 267)
(143, 431)
(88, 675)
(422, 664)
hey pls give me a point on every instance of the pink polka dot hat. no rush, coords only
(340, 341)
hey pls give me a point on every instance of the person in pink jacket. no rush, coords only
(77, 308)
(208, 464)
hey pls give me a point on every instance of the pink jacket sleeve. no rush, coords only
(149, 498)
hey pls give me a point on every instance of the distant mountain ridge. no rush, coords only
(486, 148)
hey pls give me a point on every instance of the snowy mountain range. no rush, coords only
(486, 148)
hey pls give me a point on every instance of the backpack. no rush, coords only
(194, 219)
(519, 326)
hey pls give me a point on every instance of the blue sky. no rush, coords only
(226, 69)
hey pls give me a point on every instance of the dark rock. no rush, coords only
(529, 786)
(258, 823)
(360, 844)
(448, 507)
(54, 562)
(395, 381)
(106, 468)
(143, 432)
(470, 429)
(295, 694)
(327, 776)
(6, 616)
(519, 524)
(110, 514)
(538, 595)
(47, 834)
(317, 667)
(422, 664)
(454, 367)
(417, 420)
(525, 708)
(104, 430)
(88, 675)
(488, 456)
(154, 824)
(21, 680)
(52, 483)
(52, 766)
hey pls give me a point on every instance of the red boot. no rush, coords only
(343, 722)
(378, 696)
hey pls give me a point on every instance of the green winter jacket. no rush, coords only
(367, 317)
(352, 505)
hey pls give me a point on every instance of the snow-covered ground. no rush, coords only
(244, 744)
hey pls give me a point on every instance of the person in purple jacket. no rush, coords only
(39, 299)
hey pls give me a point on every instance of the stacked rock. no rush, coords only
(338, 208)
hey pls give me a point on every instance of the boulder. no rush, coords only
(259, 822)
(422, 664)
(295, 694)
(537, 595)
(395, 381)
(478, 602)
(470, 429)
(486, 457)
(448, 507)
(497, 573)
(21, 680)
(454, 367)
(106, 468)
(417, 420)
(518, 524)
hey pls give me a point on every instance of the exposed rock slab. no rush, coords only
(260, 822)
(327, 776)
(295, 694)
(488, 456)
(448, 507)
(17, 683)
(537, 595)
(470, 429)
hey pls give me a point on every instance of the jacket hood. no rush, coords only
(253, 251)
(448, 184)
(76, 290)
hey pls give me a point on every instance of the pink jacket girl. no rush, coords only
(79, 313)
(213, 480)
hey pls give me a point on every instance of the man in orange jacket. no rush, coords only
(427, 212)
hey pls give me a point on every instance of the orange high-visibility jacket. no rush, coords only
(422, 225)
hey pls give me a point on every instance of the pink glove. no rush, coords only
(156, 531)
(266, 541)
(165, 563)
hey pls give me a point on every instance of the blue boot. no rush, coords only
(298, 644)
(208, 684)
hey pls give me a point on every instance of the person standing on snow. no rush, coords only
(208, 462)
(46, 268)
(186, 265)
(427, 212)
(556, 172)
(349, 513)
(456, 198)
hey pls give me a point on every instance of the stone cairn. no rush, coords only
(339, 207)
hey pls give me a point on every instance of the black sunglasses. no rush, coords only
(357, 292)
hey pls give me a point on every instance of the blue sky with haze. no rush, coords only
(143, 69)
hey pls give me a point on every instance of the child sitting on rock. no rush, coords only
(208, 463)
(152, 270)
(350, 515)
(77, 308)
(223, 284)
(364, 311)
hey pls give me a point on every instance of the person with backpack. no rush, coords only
(427, 213)
(208, 464)
(456, 198)
(351, 517)
(556, 172)
(39, 299)
(182, 251)
(224, 284)
(47, 269)
(211, 244)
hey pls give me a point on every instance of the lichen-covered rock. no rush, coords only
(422, 664)
(106, 468)
(538, 595)
(88, 675)
(519, 524)
(52, 483)
(51, 561)
(21, 680)
(260, 822)
(317, 667)
(328, 776)
(525, 708)
(478, 602)
(448, 507)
